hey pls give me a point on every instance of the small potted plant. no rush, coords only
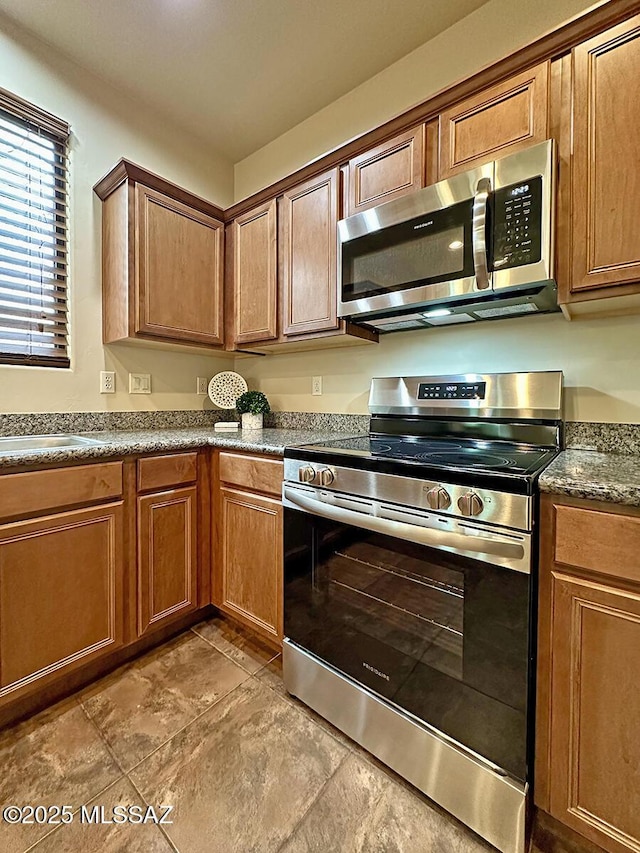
(252, 405)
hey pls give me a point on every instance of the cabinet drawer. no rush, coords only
(251, 472)
(37, 491)
(603, 542)
(157, 472)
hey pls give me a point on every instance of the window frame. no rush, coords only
(36, 120)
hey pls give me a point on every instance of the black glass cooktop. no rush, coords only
(472, 455)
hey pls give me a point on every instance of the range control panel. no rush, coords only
(452, 390)
(517, 224)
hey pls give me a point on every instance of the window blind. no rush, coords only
(33, 235)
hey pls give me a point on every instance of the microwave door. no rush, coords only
(416, 250)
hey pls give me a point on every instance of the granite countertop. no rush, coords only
(612, 477)
(125, 442)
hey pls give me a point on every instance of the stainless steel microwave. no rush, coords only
(477, 246)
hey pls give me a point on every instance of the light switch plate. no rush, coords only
(139, 383)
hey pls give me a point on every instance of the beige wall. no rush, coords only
(600, 360)
(105, 126)
(491, 32)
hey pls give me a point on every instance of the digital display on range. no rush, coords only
(452, 390)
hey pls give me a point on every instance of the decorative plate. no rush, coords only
(225, 388)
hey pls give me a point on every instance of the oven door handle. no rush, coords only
(487, 546)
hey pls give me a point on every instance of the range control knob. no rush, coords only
(306, 474)
(326, 476)
(470, 504)
(438, 498)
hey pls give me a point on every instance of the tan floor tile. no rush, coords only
(94, 837)
(55, 758)
(242, 775)
(361, 810)
(243, 647)
(143, 704)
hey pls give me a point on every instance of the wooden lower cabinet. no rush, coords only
(588, 749)
(251, 559)
(167, 556)
(61, 593)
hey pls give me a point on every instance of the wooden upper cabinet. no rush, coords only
(255, 274)
(388, 171)
(179, 262)
(309, 255)
(498, 121)
(162, 261)
(605, 175)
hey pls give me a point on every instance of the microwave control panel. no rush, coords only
(517, 224)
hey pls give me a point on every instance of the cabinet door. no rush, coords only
(251, 556)
(309, 268)
(179, 262)
(499, 121)
(255, 261)
(61, 593)
(389, 171)
(594, 774)
(167, 556)
(606, 157)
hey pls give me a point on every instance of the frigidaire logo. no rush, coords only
(375, 671)
(423, 225)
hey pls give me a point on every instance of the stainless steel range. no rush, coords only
(410, 564)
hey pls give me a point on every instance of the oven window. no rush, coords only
(425, 250)
(397, 599)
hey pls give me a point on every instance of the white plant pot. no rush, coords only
(250, 421)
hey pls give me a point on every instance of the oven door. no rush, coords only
(426, 247)
(430, 613)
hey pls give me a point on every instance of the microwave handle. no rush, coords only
(479, 233)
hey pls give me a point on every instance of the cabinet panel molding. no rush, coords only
(61, 593)
(252, 560)
(310, 217)
(255, 274)
(606, 153)
(498, 121)
(587, 772)
(596, 705)
(179, 269)
(167, 556)
(388, 171)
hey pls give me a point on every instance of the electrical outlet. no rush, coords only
(107, 382)
(316, 386)
(202, 385)
(139, 383)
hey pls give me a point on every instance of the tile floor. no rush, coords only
(204, 724)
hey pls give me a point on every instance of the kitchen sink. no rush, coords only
(23, 443)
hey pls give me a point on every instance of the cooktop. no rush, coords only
(473, 459)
